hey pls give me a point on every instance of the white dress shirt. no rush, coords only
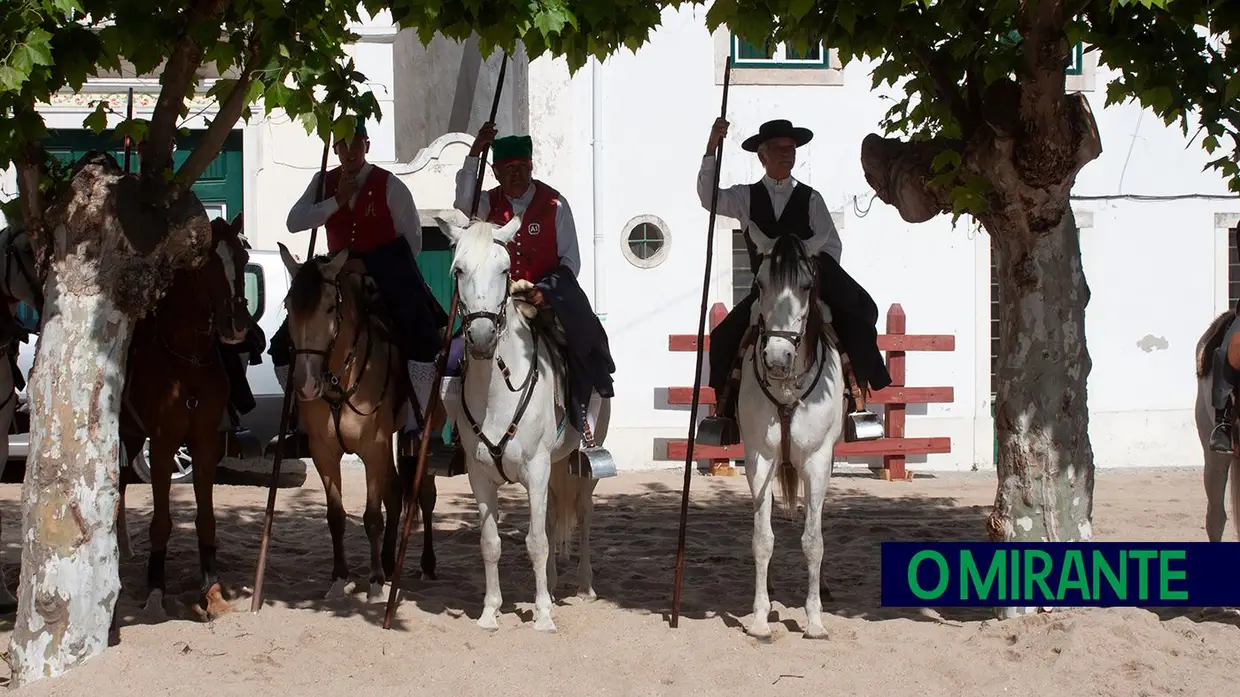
(734, 203)
(306, 214)
(565, 227)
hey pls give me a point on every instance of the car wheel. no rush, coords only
(183, 465)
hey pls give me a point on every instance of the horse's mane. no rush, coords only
(474, 245)
(307, 287)
(1211, 340)
(788, 259)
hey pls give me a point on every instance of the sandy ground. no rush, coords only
(621, 644)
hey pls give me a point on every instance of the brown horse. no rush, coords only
(176, 392)
(1217, 465)
(352, 391)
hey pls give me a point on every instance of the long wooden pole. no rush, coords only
(256, 603)
(441, 366)
(697, 379)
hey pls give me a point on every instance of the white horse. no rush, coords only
(510, 420)
(1216, 464)
(18, 283)
(791, 410)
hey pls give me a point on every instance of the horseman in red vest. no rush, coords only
(545, 253)
(371, 212)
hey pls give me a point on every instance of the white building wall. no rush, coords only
(1157, 270)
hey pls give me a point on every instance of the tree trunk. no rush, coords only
(113, 244)
(1046, 462)
(69, 575)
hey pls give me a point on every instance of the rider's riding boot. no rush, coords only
(1220, 437)
(720, 428)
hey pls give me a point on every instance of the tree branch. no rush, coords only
(900, 173)
(29, 165)
(1047, 151)
(227, 116)
(180, 72)
(932, 62)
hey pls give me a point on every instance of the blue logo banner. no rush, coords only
(1058, 574)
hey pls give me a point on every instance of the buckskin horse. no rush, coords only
(176, 392)
(352, 392)
(1217, 464)
(18, 283)
(516, 432)
(791, 411)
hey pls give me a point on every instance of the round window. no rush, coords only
(645, 241)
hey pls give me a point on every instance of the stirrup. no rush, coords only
(592, 461)
(717, 430)
(861, 424)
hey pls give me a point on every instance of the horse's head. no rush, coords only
(787, 305)
(225, 273)
(314, 304)
(480, 265)
(18, 279)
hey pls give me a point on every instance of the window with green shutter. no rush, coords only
(776, 55)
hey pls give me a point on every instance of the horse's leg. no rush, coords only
(427, 496)
(381, 480)
(207, 449)
(817, 475)
(585, 514)
(486, 494)
(536, 540)
(327, 462)
(163, 450)
(760, 473)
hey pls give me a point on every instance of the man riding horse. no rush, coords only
(371, 212)
(1223, 376)
(545, 260)
(780, 205)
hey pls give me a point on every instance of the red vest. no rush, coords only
(368, 223)
(534, 250)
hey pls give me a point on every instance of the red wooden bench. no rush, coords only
(894, 447)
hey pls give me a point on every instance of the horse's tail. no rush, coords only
(1235, 495)
(789, 486)
(562, 511)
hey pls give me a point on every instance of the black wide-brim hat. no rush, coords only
(778, 128)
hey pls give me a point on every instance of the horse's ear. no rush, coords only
(289, 262)
(760, 240)
(452, 232)
(332, 268)
(814, 245)
(504, 234)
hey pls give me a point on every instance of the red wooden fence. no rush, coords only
(894, 446)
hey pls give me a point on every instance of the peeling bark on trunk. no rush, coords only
(1046, 462)
(97, 287)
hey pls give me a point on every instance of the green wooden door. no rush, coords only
(435, 263)
(221, 188)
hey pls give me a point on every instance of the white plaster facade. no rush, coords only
(623, 142)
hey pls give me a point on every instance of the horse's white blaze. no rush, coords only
(226, 256)
(537, 456)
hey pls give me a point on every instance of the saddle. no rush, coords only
(855, 397)
(544, 321)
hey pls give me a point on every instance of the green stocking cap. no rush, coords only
(359, 130)
(512, 148)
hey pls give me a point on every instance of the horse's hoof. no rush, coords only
(489, 621)
(340, 588)
(588, 595)
(154, 607)
(816, 632)
(429, 575)
(760, 631)
(545, 625)
(376, 592)
(215, 603)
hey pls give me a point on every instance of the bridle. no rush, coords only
(526, 388)
(334, 394)
(818, 362)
